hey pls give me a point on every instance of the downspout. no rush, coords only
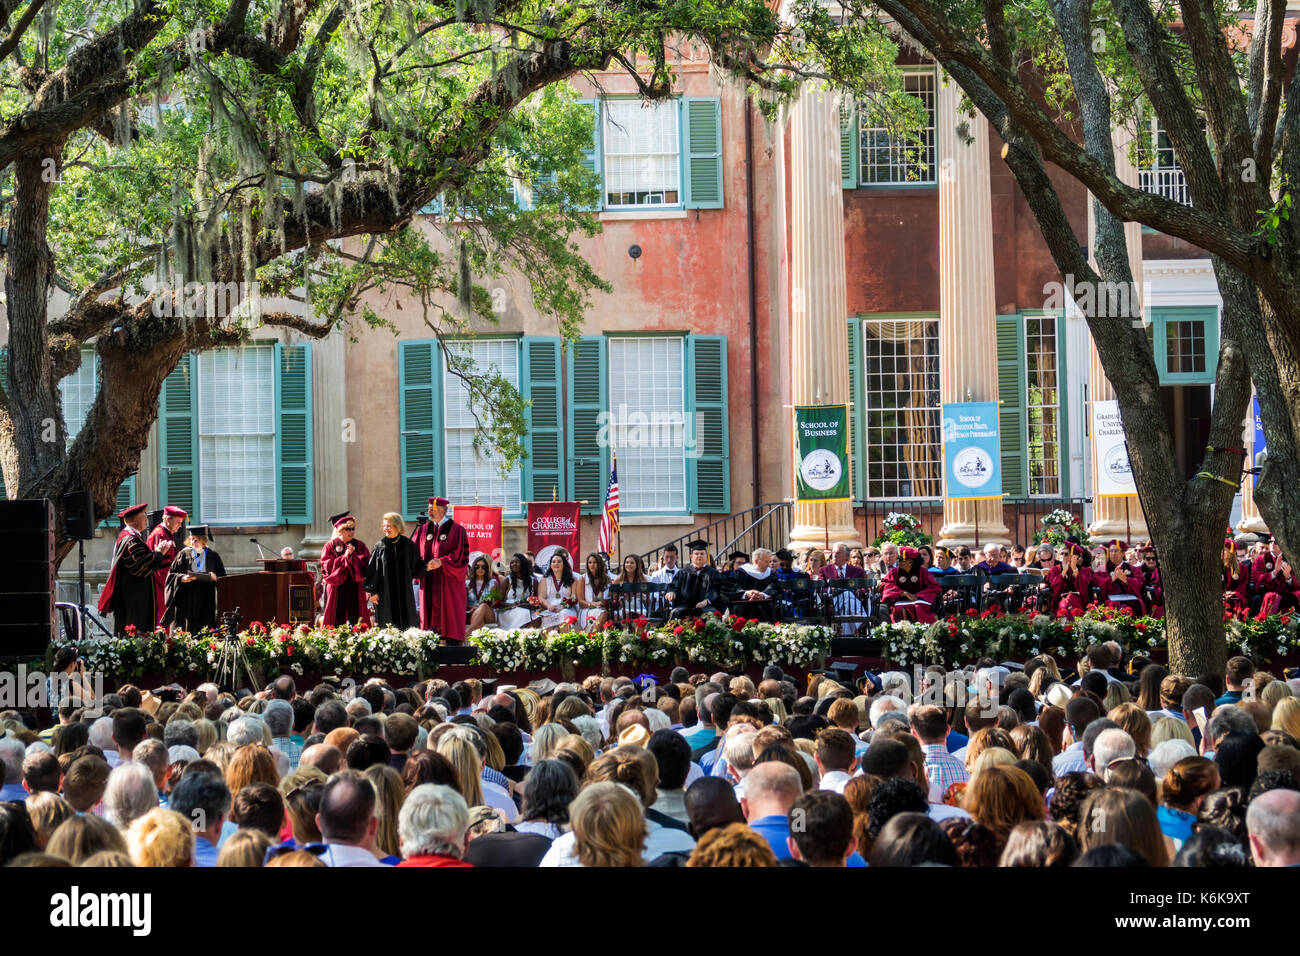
(756, 486)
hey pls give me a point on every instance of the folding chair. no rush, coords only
(846, 606)
(957, 592)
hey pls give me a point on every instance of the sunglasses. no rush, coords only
(288, 846)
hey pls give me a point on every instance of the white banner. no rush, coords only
(1110, 454)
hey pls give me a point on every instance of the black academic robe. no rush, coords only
(747, 579)
(394, 564)
(192, 605)
(691, 586)
(129, 593)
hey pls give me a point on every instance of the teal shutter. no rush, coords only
(848, 145)
(125, 497)
(293, 451)
(702, 152)
(708, 467)
(1064, 387)
(592, 156)
(857, 411)
(178, 438)
(434, 208)
(1011, 410)
(420, 414)
(588, 458)
(541, 385)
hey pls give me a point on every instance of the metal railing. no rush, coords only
(1166, 181)
(762, 526)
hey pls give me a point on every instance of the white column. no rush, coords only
(968, 352)
(818, 305)
(331, 432)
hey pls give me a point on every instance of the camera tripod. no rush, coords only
(231, 660)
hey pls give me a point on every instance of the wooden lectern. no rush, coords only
(283, 592)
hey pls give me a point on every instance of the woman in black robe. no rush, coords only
(191, 589)
(394, 564)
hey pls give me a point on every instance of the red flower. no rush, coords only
(1286, 618)
(130, 630)
(1069, 628)
(608, 625)
(952, 629)
(249, 641)
(212, 645)
(970, 612)
(288, 651)
(679, 630)
(303, 629)
(1142, 628)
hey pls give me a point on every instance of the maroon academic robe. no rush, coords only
(442, 591)
(1111, 589)
(1279, 594)
(1235, 588)
(1070, 594)
(129, 591)
(161, 533)
(344, 577)
(1157, 608)
(914, 585)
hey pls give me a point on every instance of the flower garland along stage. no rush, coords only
(963, 638)
(370, 651)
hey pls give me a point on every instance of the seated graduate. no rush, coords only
(1236, 578)
(1069, 584)
(1121, 583)
(735, 561)
(752, 588)
(993, 563)
(909, 591)
(1281, 589)
(191, 589)
(785, 573)
(697, 588)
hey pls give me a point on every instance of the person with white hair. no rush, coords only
(358, 707)
(1167, 753)
(279, 717)
(1112, 746)
(884, 704)
(130, 793)
(244, 731)
(433, 827)
(738, 755)
(657, 719)
(1273, 823)
(211, 690)
(101, 736)
(720, 767)
(12, 752)
(181, 753)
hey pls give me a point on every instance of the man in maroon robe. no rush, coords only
(166, 534)
(1121, 583)
(444, 547)
(343, 563)
(129, 593)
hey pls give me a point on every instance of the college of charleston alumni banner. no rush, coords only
(554, 522)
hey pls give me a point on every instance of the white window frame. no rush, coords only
(1049, 321)
(612, 126)
(904, 157)
(78, 400)
(663, 434)
(1164, 177)
(486, 474)
(923, 404)
(209, 489)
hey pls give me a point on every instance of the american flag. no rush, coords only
(609, 523)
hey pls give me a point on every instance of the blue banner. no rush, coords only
(1260, 443)
(972, 453)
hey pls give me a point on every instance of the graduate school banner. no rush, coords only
(1110, 452)
(482, 526)
(822, 432)
(972, 450)
(554, 522)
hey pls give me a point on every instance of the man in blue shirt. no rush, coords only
(1240, 672)
(204, 800)
(771, 791)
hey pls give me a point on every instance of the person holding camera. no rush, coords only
(67, 681)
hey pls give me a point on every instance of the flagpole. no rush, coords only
(618, 535)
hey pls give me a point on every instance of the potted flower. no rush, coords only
(903, 530)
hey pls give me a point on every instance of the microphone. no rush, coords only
(261, 552)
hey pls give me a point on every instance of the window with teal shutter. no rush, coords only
(848, 144)
(588, 462)
(420, 422)
(177, 438)
(1011, 396)
(708, 469)
(1186, 344)
(293, 451)
(857, 410)
(702, 152)
(540, 384)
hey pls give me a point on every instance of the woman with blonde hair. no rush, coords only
(1273, 692)
(985, 739)
(1118, 815)
(207, 734)
(1116, 694)
(1001, 797)
(608, 826)
(47, 810)
(1133, 720)
(1286, 716)
(389, 794)
(576, 751)
(221, 754)
(992, 757)
(82, 836)
(546, 739)
(246, 848)
(1170, 728)
(733, 845)
(394, 564)
(296, 858)
(464, 759)
(251, 764)
(161, 838)
(777, 706)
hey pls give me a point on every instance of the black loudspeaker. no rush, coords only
(79, 515)
(26, 577)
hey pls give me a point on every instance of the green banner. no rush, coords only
(822, 469)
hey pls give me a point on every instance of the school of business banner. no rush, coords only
(554, 523)
(972, 450)
(1260, 443)
(482, 525)
(823, 439)
(1110, 451)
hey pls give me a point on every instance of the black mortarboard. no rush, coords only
(699, 544)
(201, 530)
(737, 554)
(783, 554)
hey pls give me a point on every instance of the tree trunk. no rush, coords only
(1194, 604)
